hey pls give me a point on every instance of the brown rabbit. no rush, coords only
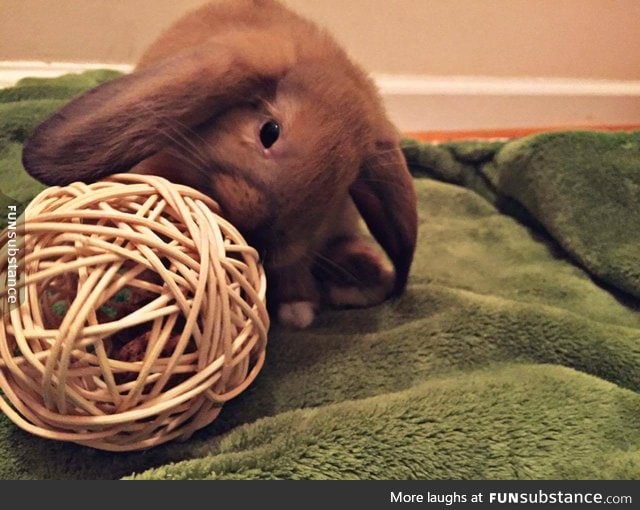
(261, 109)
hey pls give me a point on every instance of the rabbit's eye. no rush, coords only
(269, 133)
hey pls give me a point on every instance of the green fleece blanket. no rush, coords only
(514, 353)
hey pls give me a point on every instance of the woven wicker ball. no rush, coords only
(141, 313)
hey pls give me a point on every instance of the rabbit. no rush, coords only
(262, 110)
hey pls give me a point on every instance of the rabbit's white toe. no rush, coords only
(297, 314)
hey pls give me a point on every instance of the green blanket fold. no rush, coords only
(514, 353)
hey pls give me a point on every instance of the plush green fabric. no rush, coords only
(514, 353)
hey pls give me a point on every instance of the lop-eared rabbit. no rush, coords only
(261, 109)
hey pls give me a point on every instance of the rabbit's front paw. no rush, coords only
(356, 274)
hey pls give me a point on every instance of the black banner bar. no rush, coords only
(433, 495)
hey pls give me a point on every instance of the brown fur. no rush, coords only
(192, 111)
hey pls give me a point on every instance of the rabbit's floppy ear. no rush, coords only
(118, 124)
(385, 196)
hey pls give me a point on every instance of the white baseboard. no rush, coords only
(457, 103)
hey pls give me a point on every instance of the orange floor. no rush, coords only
(507, 133)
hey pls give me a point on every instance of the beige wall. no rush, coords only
(570, 38)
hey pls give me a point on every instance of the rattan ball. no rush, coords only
(141, 312)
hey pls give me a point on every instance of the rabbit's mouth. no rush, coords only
(245, 201)
(283, 255)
